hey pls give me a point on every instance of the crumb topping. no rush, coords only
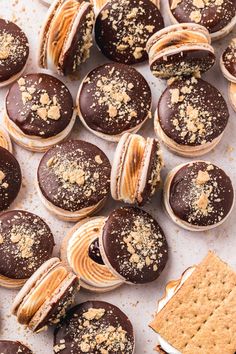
(43, 106)
(11, 48)
(198, 113)
(92, 333)
(133, 24)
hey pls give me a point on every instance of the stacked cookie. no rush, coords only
(228, 67)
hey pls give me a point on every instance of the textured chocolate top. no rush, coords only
(10, 178)
(192, 112)
(229, 58)
(123, 28)
(212, 14)
(134, 245)
(74, 175)
(201, 194)
(10, 347)
(114, 98)
(26, 242)
(185, 63)
(94, 327)
(78, 51)
(14, 49)
(40, 105)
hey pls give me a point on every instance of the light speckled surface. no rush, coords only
(186, 248)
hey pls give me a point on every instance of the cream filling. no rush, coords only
(170, 292)
(69, 215)
(185, 225)
(35, 142)
(185, 150)
(5, 140)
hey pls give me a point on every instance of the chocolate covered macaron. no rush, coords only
(10, 178)
(133, 245)
(94, 327)
(218, 16)
(80, 251)
(13, 347)
(123, 28)
(66, 36)
(45, 297)
(26, 242)
(74, 179)
(114, 99)
(39, 112)
(191, 117)
(14, 52)
(136, 168)
(198, 196)
(228, 62)
(5, 140)
(178, 50)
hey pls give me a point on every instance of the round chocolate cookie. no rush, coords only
(114, 99)
(74, 179)
(217, 16)
(133, 245)
(198, 196)
(39, 111)
(94, 327)
(228, 62)
(123, 28)
(14, 52)
(10, 178)
(26, 242)
(191, 117)
(10, 347)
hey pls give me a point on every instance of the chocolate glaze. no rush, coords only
(110, 31)
(229, 58)
(70, 328)
(213, 17)
(27, 119)
(10, 347)
(96, 115)
(73, 57)
(195, 60)
(120, 225)
(94, 252)
(17, 59)
(11, 183)
(59, 307)
(183, 195)
(72, 196)
(202, 97)
(27, 242)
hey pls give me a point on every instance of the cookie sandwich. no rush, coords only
(26, 242)
(94, 327)
(178, 50)
(197, 312)
(5, 140)
(45, 297)
(123, 27)
(66, 36)
(133, 245)
(14, 52)
(228, 62)
(13, 347)
(74, 180)
(191, 117)
(114, 99)
(136, 168)
(80, 251)
(39, 112)
(219, 17)
(198, 196)
(10, 178)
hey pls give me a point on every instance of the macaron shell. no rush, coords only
(5, 140)
(232, 95)
(13, 347)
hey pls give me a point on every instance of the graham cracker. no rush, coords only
(201, 317)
